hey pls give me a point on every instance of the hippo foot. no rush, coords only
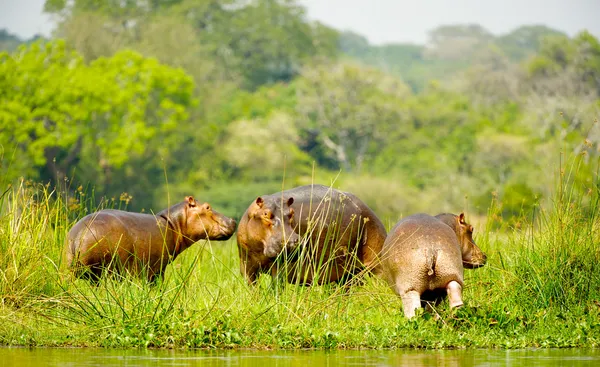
(454, 294)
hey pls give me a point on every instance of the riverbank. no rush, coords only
(540, 288)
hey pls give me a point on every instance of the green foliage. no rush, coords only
(578, 59)
(349, 111)
(56, 111)
(274, 48)
(451, 49)
(204, 302)
(455, 125)
(114, 108)
(41, 104)
(263, 146)
(555, 55)
(276, 101)
(243, 49)
(115, 8)
(525, 41)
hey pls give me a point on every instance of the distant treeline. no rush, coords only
(230, 99)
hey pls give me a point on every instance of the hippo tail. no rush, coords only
(431, 256)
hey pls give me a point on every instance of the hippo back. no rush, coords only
(337, 226)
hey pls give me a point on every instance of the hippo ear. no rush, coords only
(290, 201)
(256, 205)
(190, 200)
(461, 218)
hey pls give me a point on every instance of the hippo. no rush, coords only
(424, 256)
(326, 235)
(119, 240)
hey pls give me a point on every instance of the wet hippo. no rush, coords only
(339, 235)
(137, 242)
(425, 255)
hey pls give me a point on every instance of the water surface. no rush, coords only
(64, 357)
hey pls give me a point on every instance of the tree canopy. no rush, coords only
(229, 99)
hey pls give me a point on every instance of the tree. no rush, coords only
(492, 79)
(346, 112)
(525, 41)
(262, 147)
(457, 42)
(354, 44)
(563, 87)
(261, 41)
(57, 111)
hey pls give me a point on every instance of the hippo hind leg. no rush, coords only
(410, 295)
(454, 290)
(411, 301)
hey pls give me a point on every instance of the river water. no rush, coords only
(25, 357)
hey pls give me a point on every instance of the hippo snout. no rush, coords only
(274, 247)
(230, 225)
(476, 262)
(272, 251)
(292, 242)
(226, 229)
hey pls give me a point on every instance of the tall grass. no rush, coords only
(540, 288)
(558, 264)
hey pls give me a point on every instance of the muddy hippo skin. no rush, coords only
(120, 240)
(323, 225)
(425, 255)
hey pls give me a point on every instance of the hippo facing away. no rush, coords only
(423, 254)
(335, 234)
(136, 242)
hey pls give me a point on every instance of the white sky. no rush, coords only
(384, 21)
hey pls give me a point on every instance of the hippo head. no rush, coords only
(472, 256)
(270, 221)
(202, 222)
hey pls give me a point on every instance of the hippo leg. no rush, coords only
(411, 301)
(454, 294)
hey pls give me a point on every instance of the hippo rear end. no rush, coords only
(424, 255)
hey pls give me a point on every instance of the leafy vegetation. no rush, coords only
(204, 301)
(136, 104)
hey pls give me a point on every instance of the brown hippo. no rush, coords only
(340, 235)
(119, 240)
(425, 255)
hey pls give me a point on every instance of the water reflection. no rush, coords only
(24, 357)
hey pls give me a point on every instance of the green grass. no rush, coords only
(540, 288)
